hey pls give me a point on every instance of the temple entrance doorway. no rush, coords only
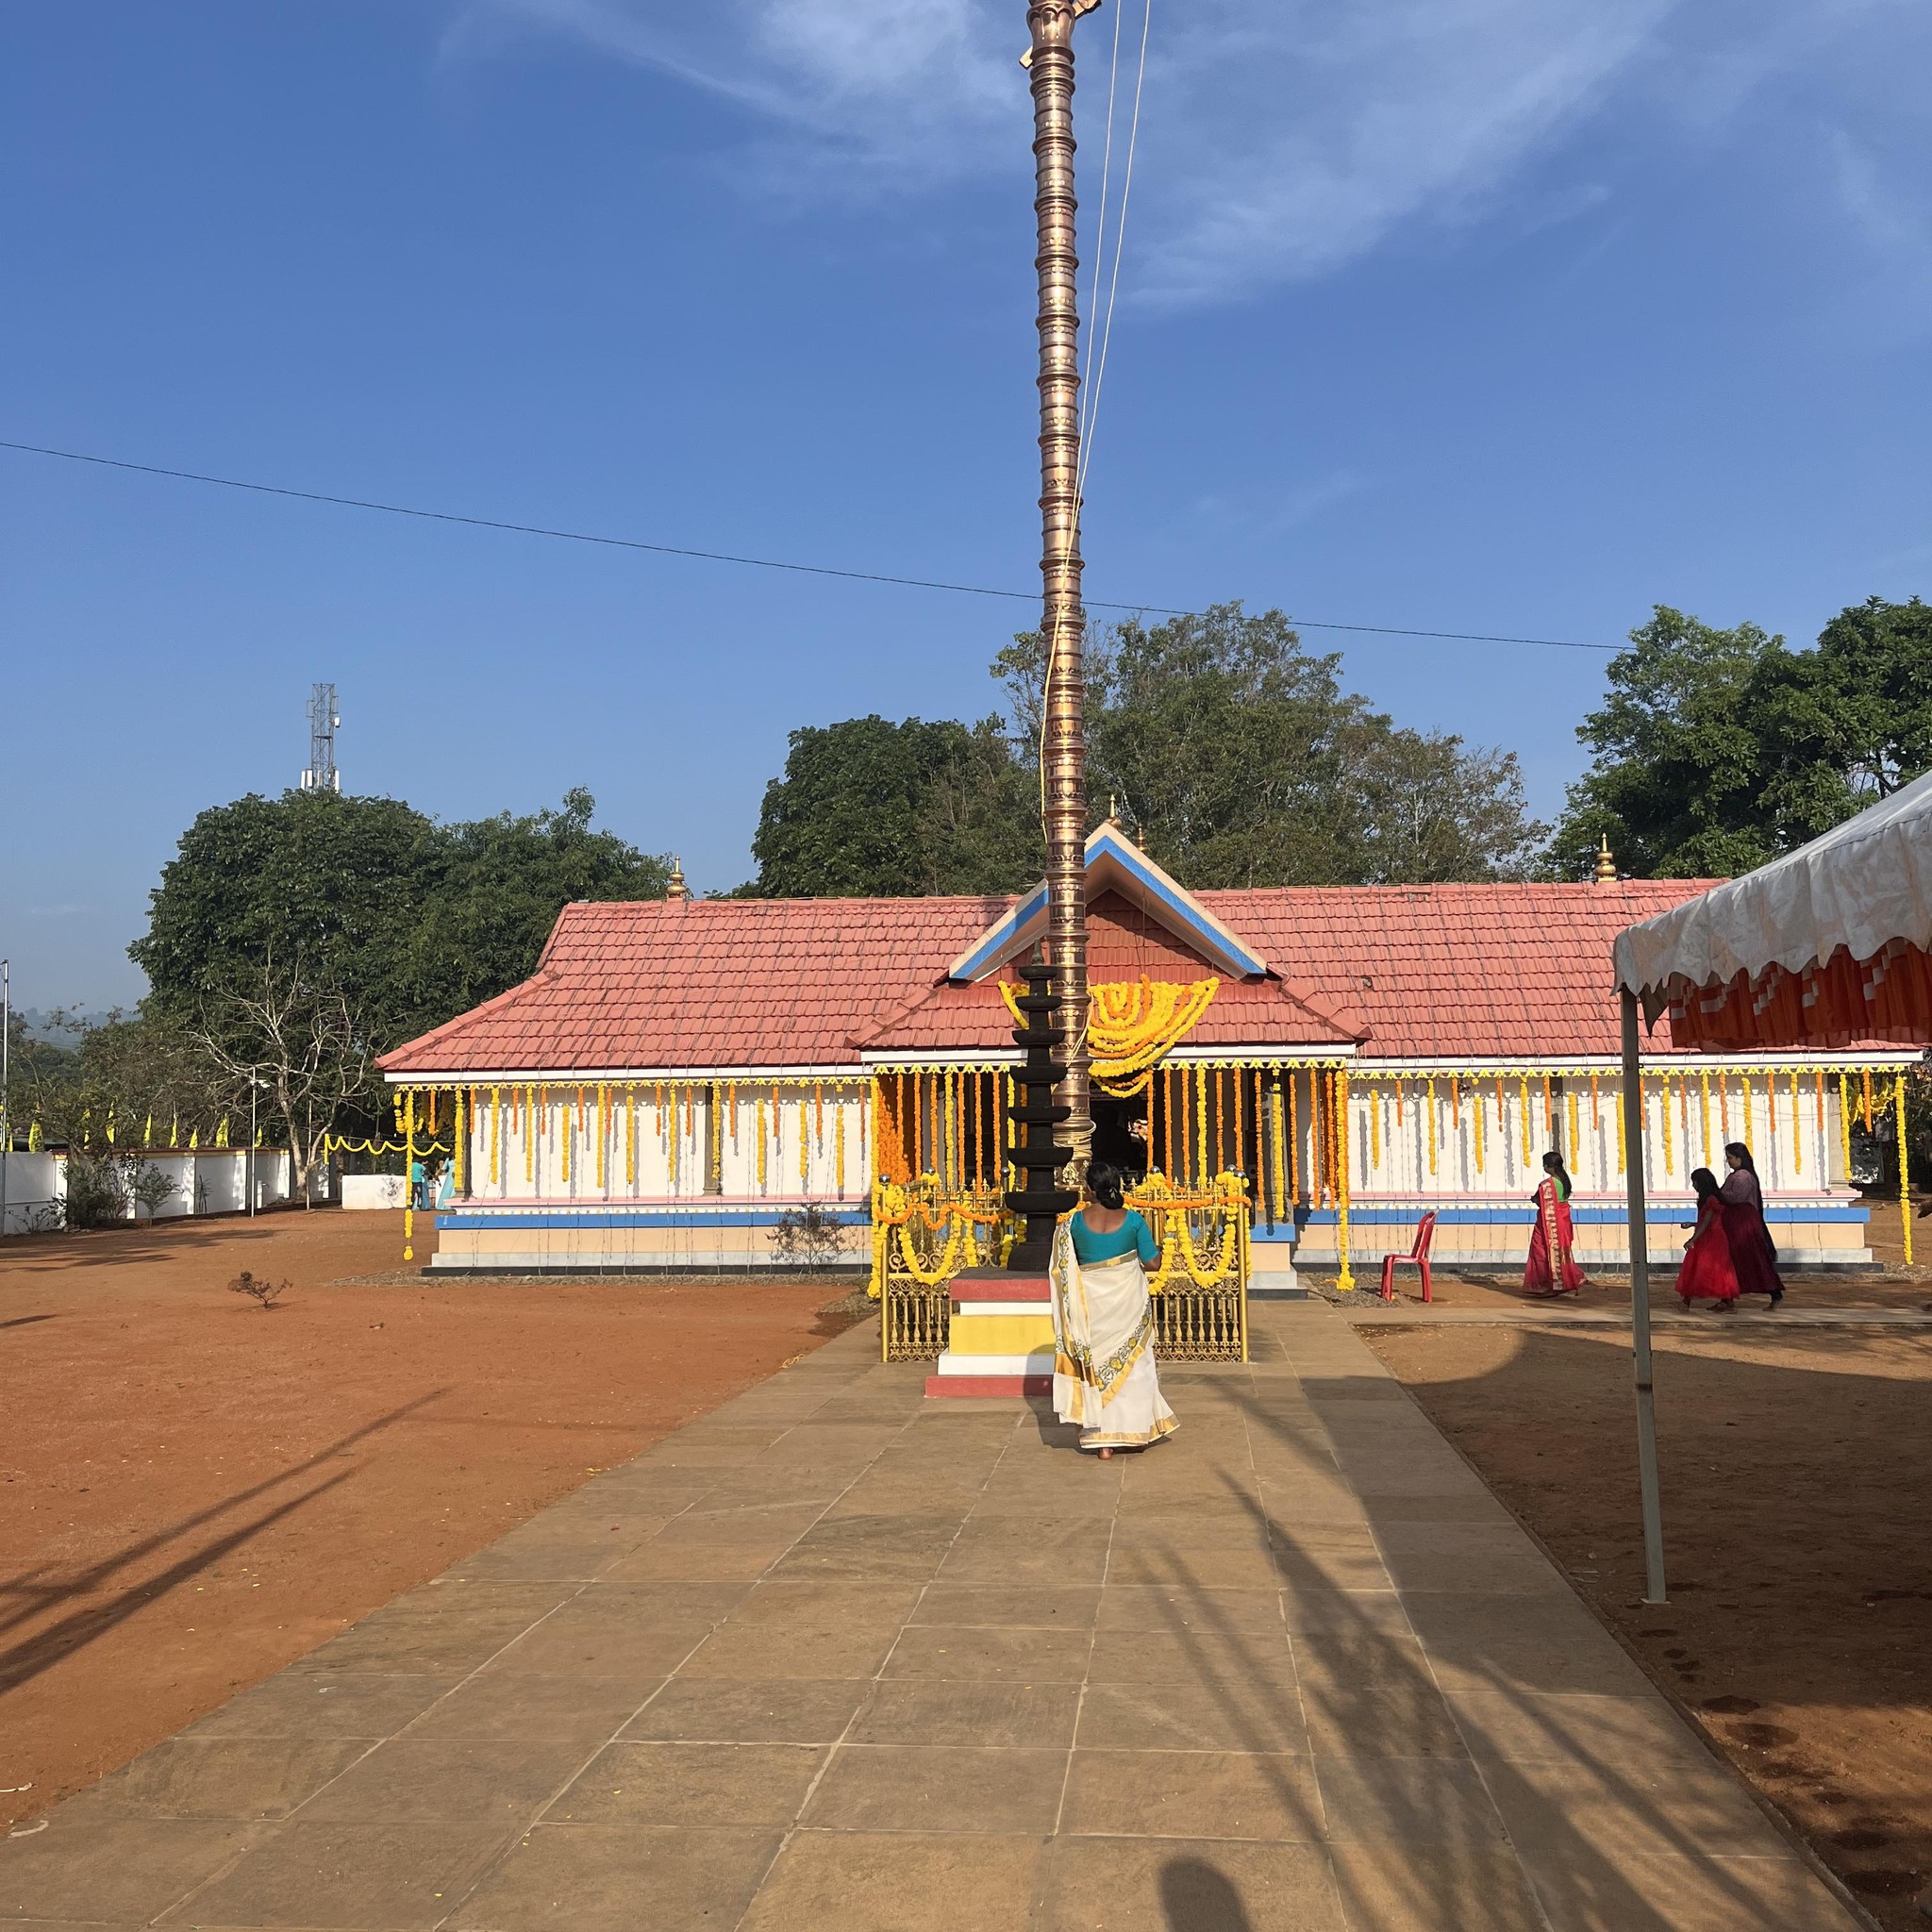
(1120, 1134)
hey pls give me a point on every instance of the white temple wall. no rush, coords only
(1391, 1155)
(698, 1143)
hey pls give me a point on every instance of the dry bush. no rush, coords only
(265, 1292)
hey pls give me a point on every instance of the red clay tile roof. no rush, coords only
(1460, 971)
(1437, 972)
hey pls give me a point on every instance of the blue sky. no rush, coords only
(1493, 315)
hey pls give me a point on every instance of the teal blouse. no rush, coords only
(1132, 1235)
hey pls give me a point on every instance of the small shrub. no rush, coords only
(808, 1238)
(265, 1292)
(96, 1192)
(152, 1187)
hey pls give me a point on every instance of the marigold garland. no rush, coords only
(1131, 1026)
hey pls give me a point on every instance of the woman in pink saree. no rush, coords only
(1552, 1267)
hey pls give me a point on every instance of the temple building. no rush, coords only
(1297, 1075)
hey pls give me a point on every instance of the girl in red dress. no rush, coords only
(1552, 1270)
(1707, 1269)
(1754, 1254)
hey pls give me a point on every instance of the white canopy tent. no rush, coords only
(1828, 945)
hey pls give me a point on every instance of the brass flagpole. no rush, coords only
(1063, 746)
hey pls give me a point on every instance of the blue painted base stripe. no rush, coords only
(600, 1217)
(1656, 1216)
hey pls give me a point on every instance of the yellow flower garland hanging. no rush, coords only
(1131, 1026)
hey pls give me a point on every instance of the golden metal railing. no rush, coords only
(926, 1233)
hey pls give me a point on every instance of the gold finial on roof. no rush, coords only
(1605, 865)
(677, 891)
(1113, 812)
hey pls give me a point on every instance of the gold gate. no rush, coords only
(925, 1233)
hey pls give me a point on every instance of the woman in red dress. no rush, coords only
(1552, 1270)
(1708, 1268)
(1754, 1254)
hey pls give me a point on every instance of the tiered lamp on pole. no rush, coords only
(1041, 1154)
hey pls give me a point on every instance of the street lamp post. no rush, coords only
(1063, 746)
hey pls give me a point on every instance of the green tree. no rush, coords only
(492, 890)
(1717, 750)
(327, 884)
(1241, 761)
(302, 935)
(868, 808)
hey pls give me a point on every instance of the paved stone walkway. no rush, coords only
(839, 1657)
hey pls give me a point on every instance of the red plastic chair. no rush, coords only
(1418, 1257)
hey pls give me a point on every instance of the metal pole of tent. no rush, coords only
(1640, 1308)
(5, 1118)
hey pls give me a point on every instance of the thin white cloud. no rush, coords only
(1280, 138)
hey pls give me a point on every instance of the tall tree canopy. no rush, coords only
(1237, 758)
(1240, 761)
(409, 921)
(1717, 750)
(869, 809)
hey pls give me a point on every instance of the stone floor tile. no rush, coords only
(1034, 1716)
(619, 1878)
(224, 1777)
(1470, 1506)
(658, 1561)
(602, 1640)
(398, 1877)
(749, 1650)
(1669, 1807)
(754, 1522)
(412, 1780)
(1166, 1608)
(1289, 1503)
(972, 1651)
(927, 1788)
(1059, 1550)
(897, 1882)
(1008, 1607)
(1251, 1568)
(1643, 1893)
(1373, 1699)
(1179, 1885)
(1317, 1609)
(1195, 1715)
(1177, 1657)
(444, 1630)
(1454, 1539)
(641, 1783)
(872, 1547)
(1192, 1794)
(1436, 1888)
(826, 1602)
(1527, 1725)
(294, 1704)
(528, 1703)
(775, 1710)
(99, 1867)
(577, 1561)
(1384, 1801)
(1524, 1573)
(1337, 1559)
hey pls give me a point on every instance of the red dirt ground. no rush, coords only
(1795, 1472)
(194, 1492)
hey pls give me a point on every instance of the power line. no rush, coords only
(815, 569)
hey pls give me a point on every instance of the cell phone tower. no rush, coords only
(321, 775)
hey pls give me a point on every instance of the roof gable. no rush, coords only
(1114, 865)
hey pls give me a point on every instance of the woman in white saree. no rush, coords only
(1104, 1377)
